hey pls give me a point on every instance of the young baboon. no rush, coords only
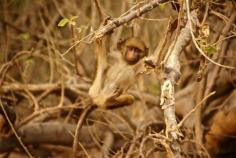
(109, 90)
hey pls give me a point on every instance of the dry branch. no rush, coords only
(38, 87)
(59, 133)
(192, 25)
(14, 131)
(77, 89)
(132, 15)
(81, 120)
(113, 24)
(172, 72)
(46, 133)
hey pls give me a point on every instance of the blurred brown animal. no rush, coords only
(109, 89)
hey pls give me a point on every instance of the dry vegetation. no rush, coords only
(185, 97)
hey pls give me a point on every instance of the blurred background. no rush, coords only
(44, 91)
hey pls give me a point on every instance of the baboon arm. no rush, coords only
(119, 80)
(101, 67)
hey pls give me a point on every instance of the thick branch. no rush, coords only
(59, 133)
(76, 89)
(39, 87)
(172, 72)
(46, 133)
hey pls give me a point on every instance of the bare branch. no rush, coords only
(120, 21)
(132, 15)
(195, 108)
(172, 72)
(14, 131)
(83, 116)
(190, 18)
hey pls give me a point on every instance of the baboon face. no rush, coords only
(132, 49)
(132, 55)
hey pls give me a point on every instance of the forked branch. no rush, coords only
(172, 75)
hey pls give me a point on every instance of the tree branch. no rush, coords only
(172, 75)
(132, 15)
(113, 24)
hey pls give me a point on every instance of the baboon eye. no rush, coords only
(137, 50)
(130, 48)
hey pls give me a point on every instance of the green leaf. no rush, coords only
(211, 49)
(25, 36)
(162, 6)
(30, 60)
(63, 22)
(73, 18)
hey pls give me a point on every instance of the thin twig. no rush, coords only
(119, 21)
(62, 98)
(85, 151)
(194, 109)
(83, 116)
(14, 131)
(195, 42)
(47, 110)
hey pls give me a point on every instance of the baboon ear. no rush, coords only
(146, 51)
(119, 44)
